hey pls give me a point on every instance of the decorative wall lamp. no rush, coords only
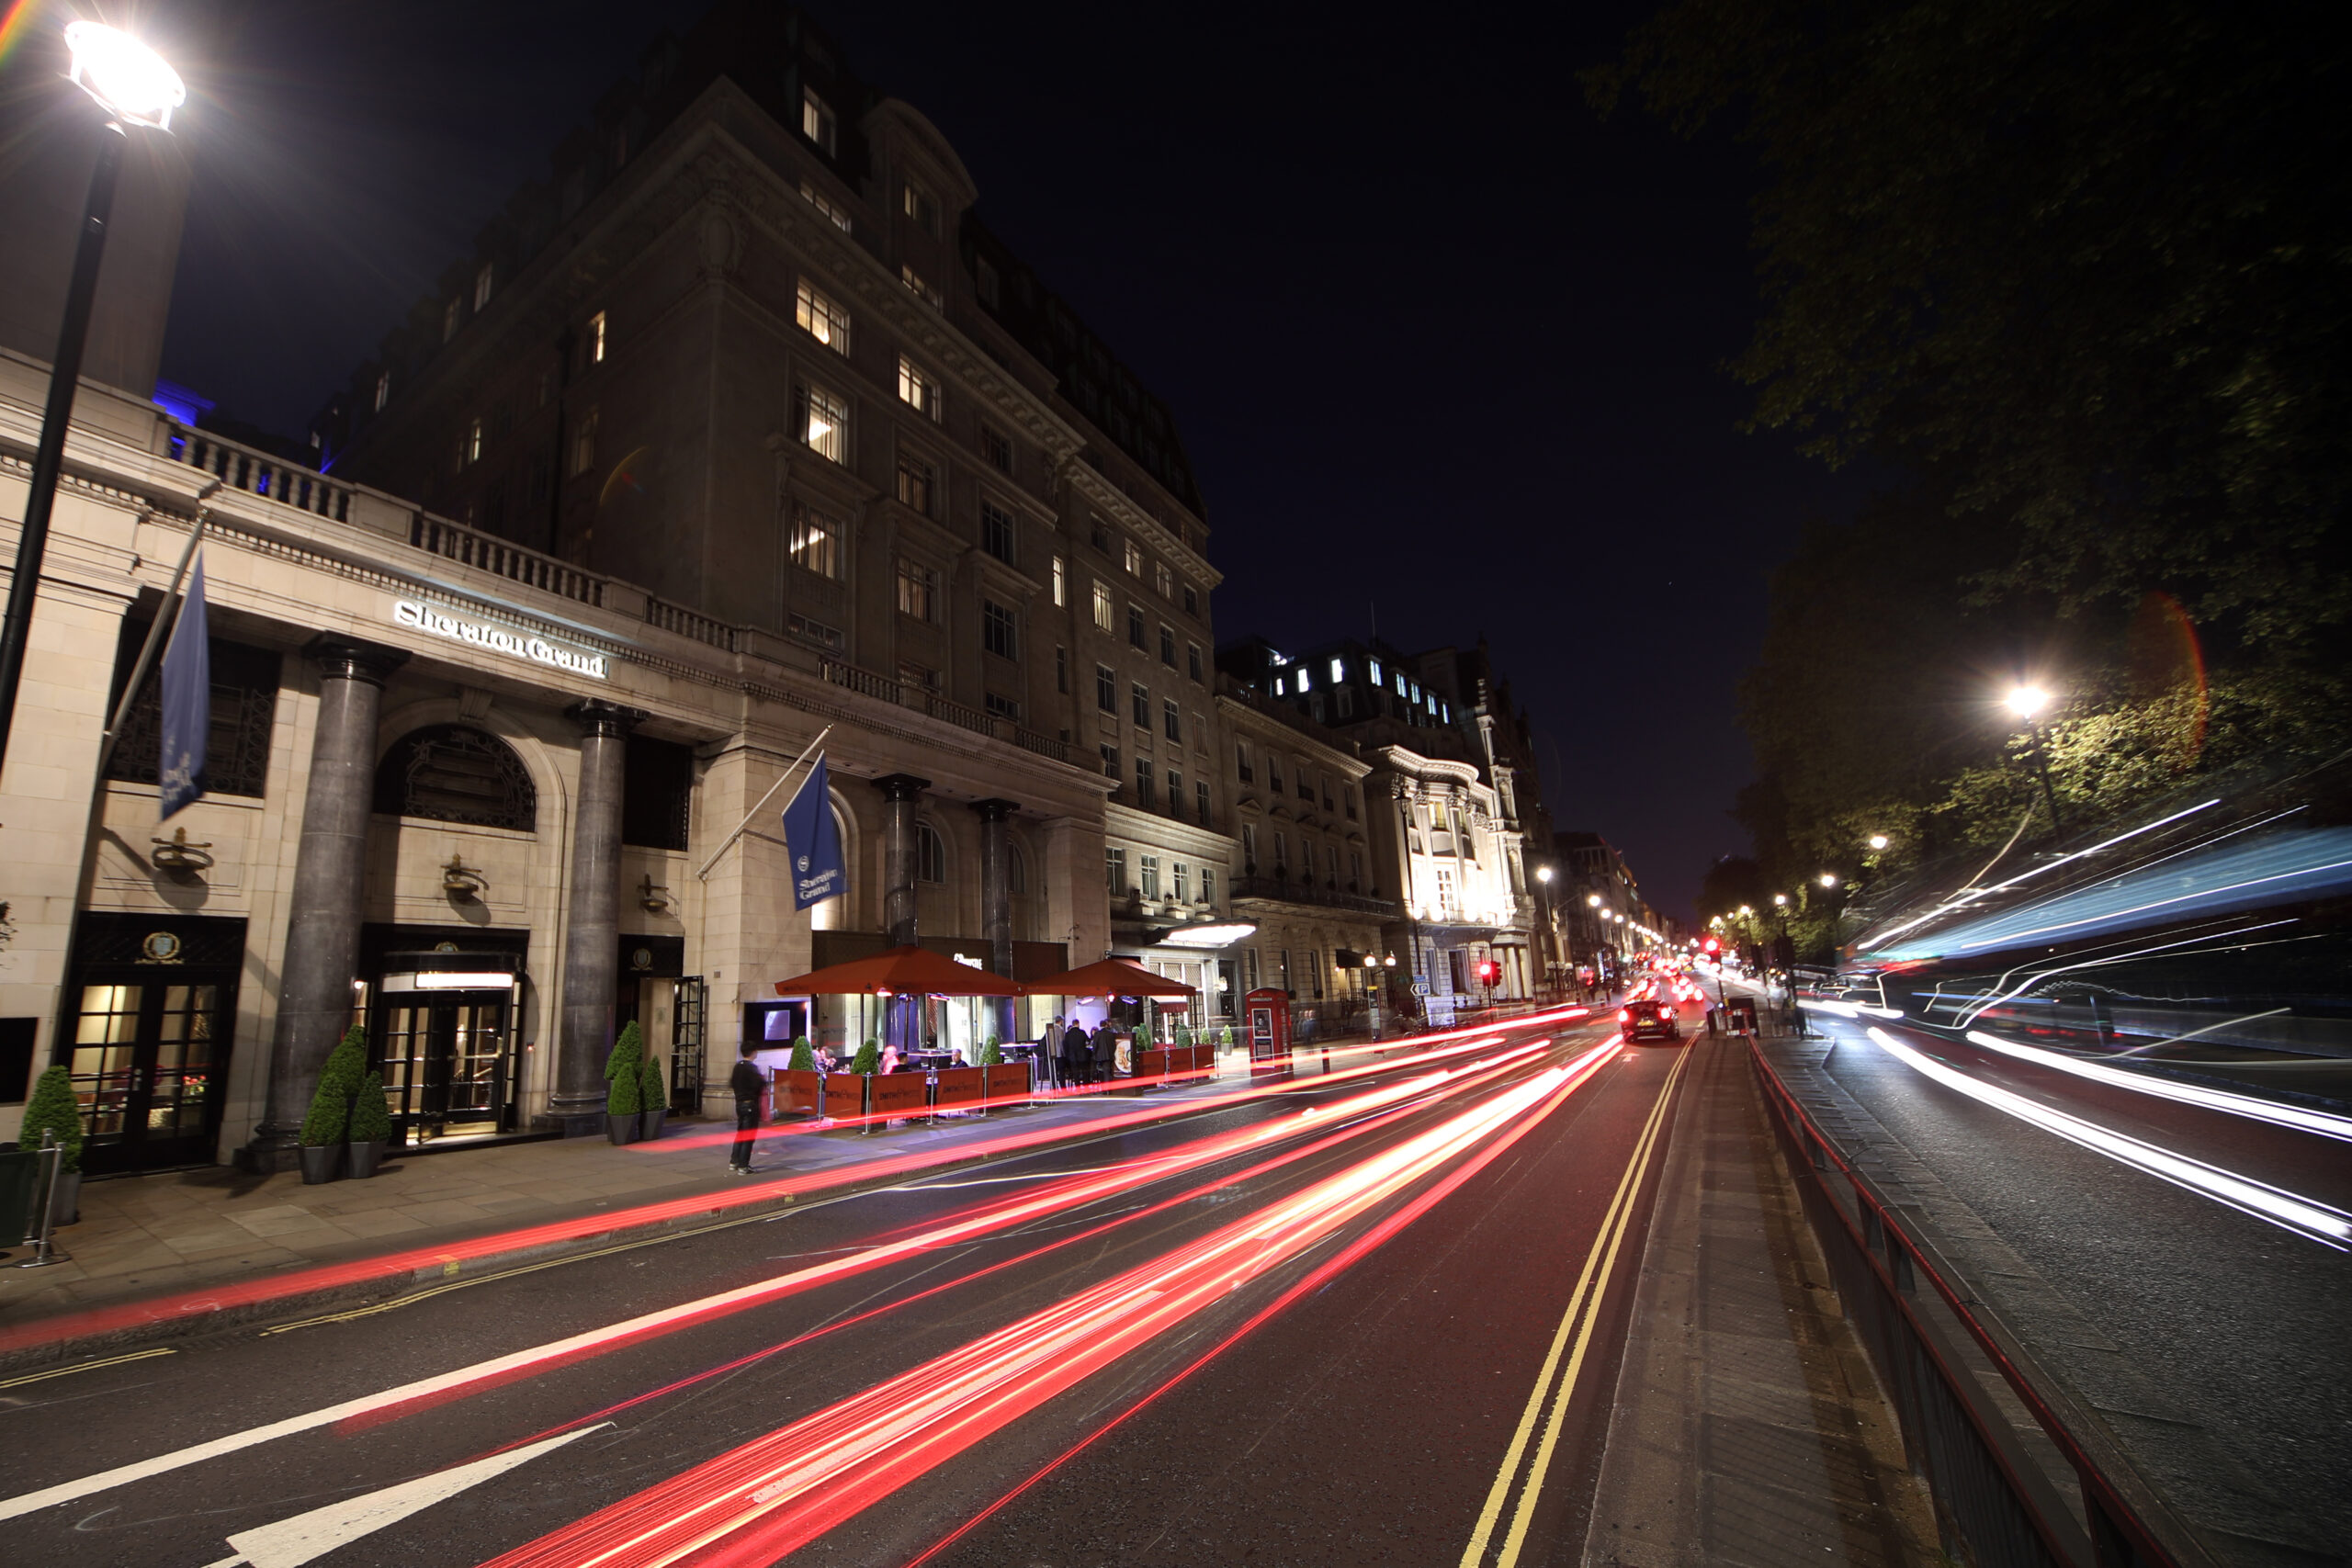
(654, 897)
(177, 854)
(459, 880)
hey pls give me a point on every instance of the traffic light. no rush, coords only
(1713, 947)
(1487, 971)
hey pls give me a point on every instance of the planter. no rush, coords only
(65, 1201)
(654, 1121)
(364, 1158)
(622, 1129)
(320, 1162)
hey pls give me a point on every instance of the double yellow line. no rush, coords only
(1583, 1312)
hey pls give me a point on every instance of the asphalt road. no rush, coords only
(2239, 1322)
(1368, 1320)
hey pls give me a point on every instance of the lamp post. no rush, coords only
(1551, 936)
(2028, 703)
(133, 86)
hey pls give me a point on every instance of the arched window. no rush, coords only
(451, 773)
(931, 854)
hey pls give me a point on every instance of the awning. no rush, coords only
(901, 970)
(1111, 978)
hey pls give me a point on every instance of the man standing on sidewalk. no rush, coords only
(750, 1085)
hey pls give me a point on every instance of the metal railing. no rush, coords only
(888, 689)
(1994, 1506)
(257, 473)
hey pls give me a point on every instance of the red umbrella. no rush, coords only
(901, 970)
(1111, 978)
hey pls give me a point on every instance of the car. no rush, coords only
(1648, 1019)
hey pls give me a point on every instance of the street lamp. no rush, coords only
(133, 86)
(1878, 841)
(2028, 703)
(1829, 879)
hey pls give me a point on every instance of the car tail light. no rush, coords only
(1624, 1015)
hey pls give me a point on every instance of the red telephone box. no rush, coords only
(1269, 1015)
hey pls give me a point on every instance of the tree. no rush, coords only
(804, 1058)
(623, 1070)
(340, 1077)
(653, 1083)
(991, 1052)
(371, 1119)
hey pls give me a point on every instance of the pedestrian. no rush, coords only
(1075, 1055)
(751, 1086)
(1105, 1054)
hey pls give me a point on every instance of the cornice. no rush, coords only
(1099, 490)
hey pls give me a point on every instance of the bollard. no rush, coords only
(44, 1252)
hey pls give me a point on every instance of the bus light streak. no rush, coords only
(2325, 1123)
(767, 1498)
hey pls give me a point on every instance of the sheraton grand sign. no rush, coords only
(496, 639)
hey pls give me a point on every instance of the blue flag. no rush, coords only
(187, 700)
(815, 843)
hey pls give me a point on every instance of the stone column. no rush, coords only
(323, 907)
(592, 921)
(996, 896)
(902, 1023)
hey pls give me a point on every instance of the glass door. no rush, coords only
(447, 1064)
(145, 1070)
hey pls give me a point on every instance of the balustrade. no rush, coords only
(257, 473)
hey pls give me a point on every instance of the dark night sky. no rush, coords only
(1434, 335)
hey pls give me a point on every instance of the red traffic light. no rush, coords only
(1713, 946)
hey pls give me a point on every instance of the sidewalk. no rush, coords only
(150, 1238)
(1748, 1428)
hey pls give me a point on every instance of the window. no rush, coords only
(815, 199)
(918, 590)
(383, 390)
(931, 854)
(1347, 702)
(1135, 625)
(1061, 669)
(1371, 667)
(1103, 606)
(482, 288)
(1168, 646)
(1355, 871)
(1163, 579)
(915, 484)
(1314, 973)
(914, 281)
(917, 203)
(1172, 720)
(657, 794)
(1282, 853)
(1143, 784)
(1348, 794)
(1176, 794)
(917, 390)
(818, 632)
(1097, 536)
(1306, 677)
(816, 542)
(1242, 763)
(583, 445)
(1139, 696)
(1061, 584)
(1208, 886)
(1274, 775)
(822, 317)
(1305, 790)
(921, 677)
(1106, 688)
(1201, 801)
(449, 772)
(984, 275)
(1114, 871)
(999, 633)
(1250, 969)
(1002, 708)
(1249, 847)
(1330, 866)
(1180, 882)
(997, 447)
(1192, 601)
(473, 442)
(1135, 559)
(1148, 874)
(245, 706)
(1110, 764)
(824, 422)
(995, 532)
(1339, 670)
(449, 321)
(1192, 659)
(593, 341)
(817, 120)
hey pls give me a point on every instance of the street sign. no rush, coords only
(1420, 985)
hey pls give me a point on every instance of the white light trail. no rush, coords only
(2304, 1216)
(2325, 1123)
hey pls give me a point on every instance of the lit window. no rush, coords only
(1373, 666)
(1106, 692)
(822, 317)
(1103, 606)
(917, 390)
(914, 281)
(824, 423)
(473, 442)
(917, 204)
(1282, 685)
(1400, 683)
(1339, 670)
(449, 321)
(1135, 559)
(995, 532)
(1163, 579)
(1305, 678)
(481, 286)
(817, 119)
(383, 390)
(583, 445)
(918, 590)
(816, 542)
(915, 484)
(999, 633)
(825, 208)
(1061, 584)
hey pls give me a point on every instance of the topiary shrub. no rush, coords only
(1184, 1037)
(371, 1120)
(991, 1052)
(656, 1087)
(804, 1059)
(624, 1070)
(869, 1058)
(52, 1109)
(339, 1077)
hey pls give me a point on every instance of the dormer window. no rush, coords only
(482, 288)
(383, 390)
(918, 204)
(817, 120)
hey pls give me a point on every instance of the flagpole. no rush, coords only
(728, 842)
(154, 634)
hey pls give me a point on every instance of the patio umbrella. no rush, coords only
(903, 971)
(1111, 978)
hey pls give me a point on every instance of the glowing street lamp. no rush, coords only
(133, 86)
(2028, 703)
(1829, 879)
(1878, 841)
(1780, 900)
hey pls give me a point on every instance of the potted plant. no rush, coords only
(371, 1132)
(991, 1052)
(868, 1061)
(52, 1110)
(326, 1129)
(625, 1101)
(804, 1056)
(656, 1095)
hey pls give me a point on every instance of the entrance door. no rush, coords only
(146, 1071)
(448, 1071)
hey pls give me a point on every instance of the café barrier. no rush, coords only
(850, 1097)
